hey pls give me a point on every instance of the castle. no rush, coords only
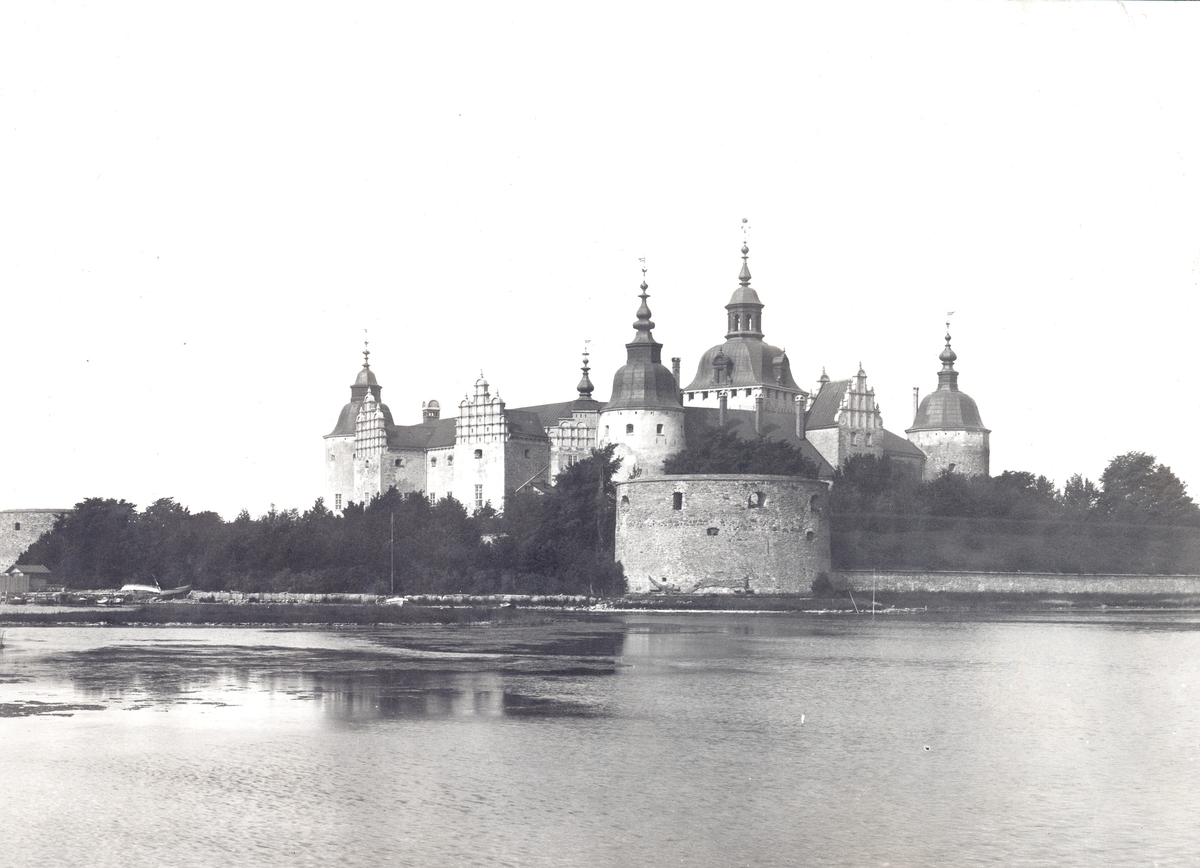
(754, 533)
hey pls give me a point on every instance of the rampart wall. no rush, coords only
(1012, 583)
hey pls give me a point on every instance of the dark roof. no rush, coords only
(825, 406)
(947, 409)
(346, 419)
(755, 363)
(551, 414)
(894, 444)
(525, 423)
(421, 436)
(28, 570)
(697, 421)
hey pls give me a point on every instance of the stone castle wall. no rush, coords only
(20, 528)
(968, 451)
(1011, 583)
(693, 532)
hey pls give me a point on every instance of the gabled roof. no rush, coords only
(28, 570)
(894, 444)
(824, 409)
(698, 421)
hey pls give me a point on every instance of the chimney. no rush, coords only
(758, 414)
(916, 401)
(675, 372)
(723, 405)
(801, 403)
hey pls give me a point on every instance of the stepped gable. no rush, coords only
(364, 383)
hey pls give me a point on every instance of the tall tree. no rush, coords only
(1135, 487)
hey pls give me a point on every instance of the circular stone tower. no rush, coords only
(948, 428)
(643, 416)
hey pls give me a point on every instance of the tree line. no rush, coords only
(1137, 518)
(555, 541)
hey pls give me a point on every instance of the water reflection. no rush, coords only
(357, 676)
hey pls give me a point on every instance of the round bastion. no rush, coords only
(723, 533)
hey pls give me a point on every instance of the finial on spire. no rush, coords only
(585, 383)
(366, 350)
(744, 274)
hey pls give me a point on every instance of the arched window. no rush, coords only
(629, 429)
(624, 501)
(433, 462)
(756, 501)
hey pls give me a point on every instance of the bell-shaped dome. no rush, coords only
(947, 408)
(643, 382)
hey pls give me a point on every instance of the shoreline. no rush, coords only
(483, 611)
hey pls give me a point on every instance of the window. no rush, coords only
(478, 453)
(712, 531)
(449, 495)
(809, 536)
(432, 497)
(333, 458)
(628, 429)
(659, 431)
(853, 438)
(399, 462)
(756, 501)
(16, 525)
(704, 396)
(677, 500)
(450, 459)
(624, 501)
(526, 453)
(747, 393)
(868, 436)
(951, 468)
(337, 502)
(433, 462)
(814, 503)
(479, 497)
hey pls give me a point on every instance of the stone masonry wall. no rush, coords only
(15, 540)
(968, 451)
(697, 532)
(1012, 583)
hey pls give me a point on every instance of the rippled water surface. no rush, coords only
(640, 739)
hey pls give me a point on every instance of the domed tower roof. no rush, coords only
(947, 408)
(643, 382)
(745, 359)
(364, 384)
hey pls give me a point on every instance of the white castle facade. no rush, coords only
(742, 385)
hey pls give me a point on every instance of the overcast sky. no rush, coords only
(204, 206)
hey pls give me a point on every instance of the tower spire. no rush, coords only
(644, 324)
(585, 384)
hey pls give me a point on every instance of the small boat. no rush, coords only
(394, 601)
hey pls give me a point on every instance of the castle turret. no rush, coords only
(643, 416)
(947, 426)
(342, 485)
(745, 366)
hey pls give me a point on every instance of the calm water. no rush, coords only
(633, 740)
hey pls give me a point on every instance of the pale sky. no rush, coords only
(204, 206)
